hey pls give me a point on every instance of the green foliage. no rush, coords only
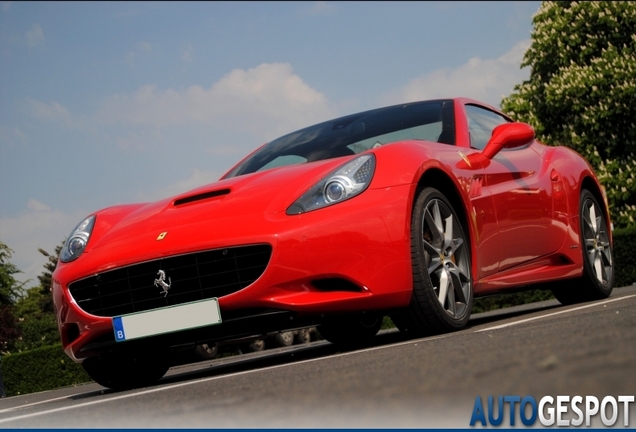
(10, 288)
(8, 327)
(31, 313)
(10, 292)
(387, 323)
(40, 369)
(46, 277)
(34, 311)
(624, 252)
(582, 91)
(37, 327)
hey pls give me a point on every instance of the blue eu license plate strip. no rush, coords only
(167, 320)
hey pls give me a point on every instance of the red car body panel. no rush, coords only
(508, 202)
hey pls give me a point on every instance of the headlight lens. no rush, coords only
(346, 182)
(78, 240)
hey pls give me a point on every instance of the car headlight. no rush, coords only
(78, 240)
(349, 180)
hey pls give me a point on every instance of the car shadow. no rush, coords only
(511, 312)
(310, 351)
(314, 350)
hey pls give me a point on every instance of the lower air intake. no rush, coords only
(192, 277)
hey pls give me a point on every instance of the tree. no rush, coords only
(46, 277)
(10, 291)
(8, 327)
(34, 311)
(37, 328)
(582, 91)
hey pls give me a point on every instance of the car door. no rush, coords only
(519, 185)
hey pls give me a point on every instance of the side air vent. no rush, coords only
(335, 284)
(201, 196)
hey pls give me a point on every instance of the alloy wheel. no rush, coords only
(447, 265)
(597, 245)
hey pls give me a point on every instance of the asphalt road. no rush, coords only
(543, 349)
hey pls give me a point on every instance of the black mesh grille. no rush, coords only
(193, 277)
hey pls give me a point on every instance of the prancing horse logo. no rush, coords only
(161, 282)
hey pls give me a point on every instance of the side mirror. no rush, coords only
(508, 135)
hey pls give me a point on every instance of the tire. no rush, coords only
(207, 351)
(597, 281)
(303, 336)
(440, 253)
(350, 331)
(125, 373)
(284, 339)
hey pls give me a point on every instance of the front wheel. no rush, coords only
(440, 254)
(597, 281)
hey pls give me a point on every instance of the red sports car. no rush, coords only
(410, 211)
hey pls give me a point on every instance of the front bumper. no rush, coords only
(351, 257)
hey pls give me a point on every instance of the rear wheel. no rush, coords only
(125, 373)
(597, 281)
(440, 252)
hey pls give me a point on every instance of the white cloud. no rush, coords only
(35, 36)
(140, 48)
(484, 80)
(38, 226)
(51, 112)
(267, 100)
(12, 136)
(37, 206)
(187, 54)
(322, 8)
(144, 47)
(137, 140)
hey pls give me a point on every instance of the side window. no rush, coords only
(481, 122)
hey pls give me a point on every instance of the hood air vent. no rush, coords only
(201, 196)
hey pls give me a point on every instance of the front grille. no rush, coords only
(195, 276)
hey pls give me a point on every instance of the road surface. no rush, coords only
(542, 349)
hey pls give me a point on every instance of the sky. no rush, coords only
(106, 103)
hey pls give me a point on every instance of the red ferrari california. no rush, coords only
(410, 211)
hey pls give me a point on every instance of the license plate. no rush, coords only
(167, 320)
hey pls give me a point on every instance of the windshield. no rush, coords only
(353, 134)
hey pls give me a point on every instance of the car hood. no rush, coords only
(206, 213)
